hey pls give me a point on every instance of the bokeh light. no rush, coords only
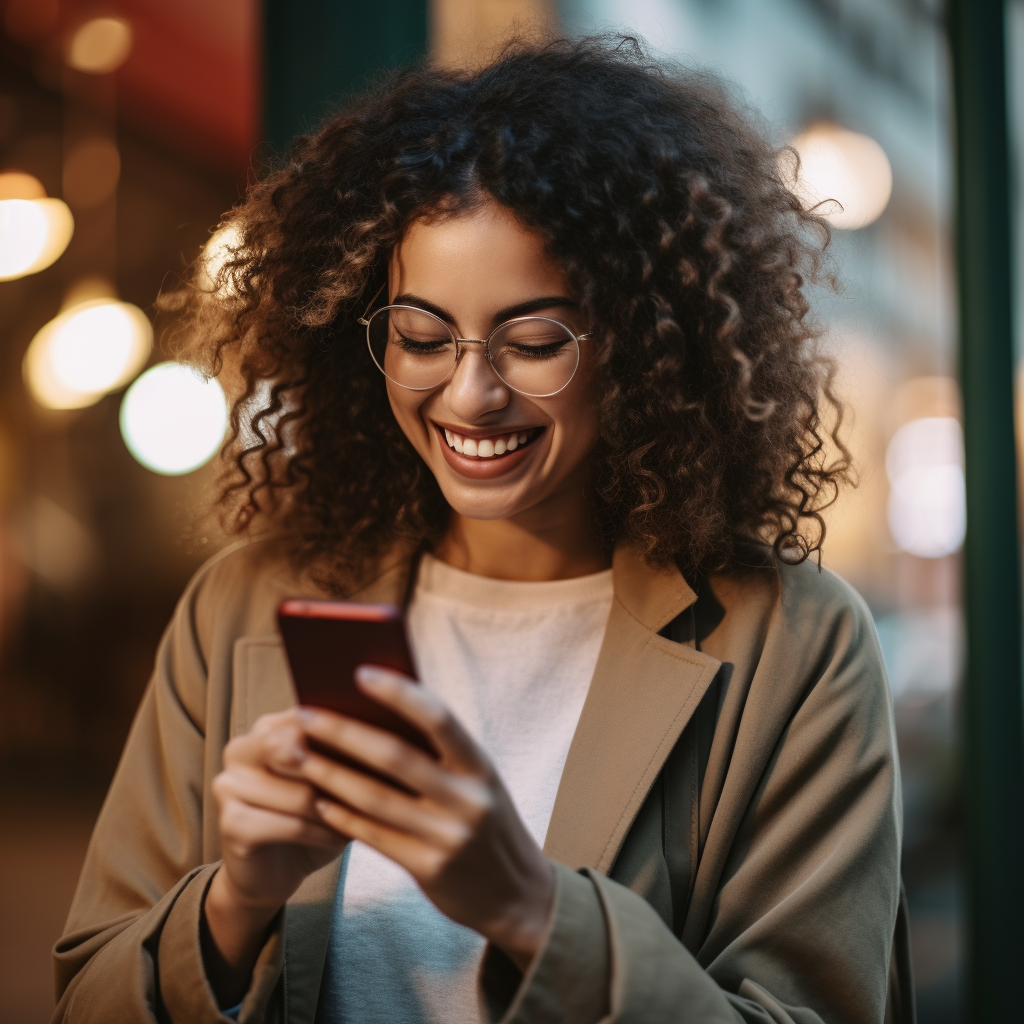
(927, 508)
(172, 420)
(216, 253)
(100, 46)
(19, 185)
(90, 349)
(846, 176)
(33, 235)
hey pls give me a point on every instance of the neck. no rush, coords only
(555, 541)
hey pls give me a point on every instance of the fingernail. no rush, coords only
(296, 755)
(322, 807)
(367, 675)
(307, 716)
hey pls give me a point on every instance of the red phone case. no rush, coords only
(326, 640)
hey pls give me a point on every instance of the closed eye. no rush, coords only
(537, 351)
(421, 347)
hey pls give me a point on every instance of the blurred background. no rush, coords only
(127, 128)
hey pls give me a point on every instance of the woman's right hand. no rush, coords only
(271, 839)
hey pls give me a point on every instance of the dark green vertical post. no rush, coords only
(317, 52)
(992, 707)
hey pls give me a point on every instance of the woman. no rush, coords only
(591, 470)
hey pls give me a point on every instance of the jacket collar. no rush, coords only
(644, 691)
(389, 587)
(654, 597)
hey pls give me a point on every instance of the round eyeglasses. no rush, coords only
(534, 355)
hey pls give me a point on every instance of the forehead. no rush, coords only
(483, 256)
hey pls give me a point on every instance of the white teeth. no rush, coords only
(486, 447)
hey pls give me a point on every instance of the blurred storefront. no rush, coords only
(136, 124)
(149, 144)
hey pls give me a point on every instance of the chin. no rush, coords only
(482, 505)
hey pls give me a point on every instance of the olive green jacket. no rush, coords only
(726, 832)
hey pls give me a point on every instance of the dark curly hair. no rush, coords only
(665, 207)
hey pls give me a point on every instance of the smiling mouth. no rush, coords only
(492, 447)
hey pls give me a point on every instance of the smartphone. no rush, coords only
(326, 640)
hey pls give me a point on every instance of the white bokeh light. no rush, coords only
(927, 509)
(216, 253)
(33, 234)
(172, 420)
(88, 350)
(844, 175)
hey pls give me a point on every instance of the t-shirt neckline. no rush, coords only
(437, 579)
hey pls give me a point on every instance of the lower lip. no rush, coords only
(483, 469)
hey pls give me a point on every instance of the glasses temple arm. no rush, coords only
(362, 319)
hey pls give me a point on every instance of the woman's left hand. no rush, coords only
(456, 831)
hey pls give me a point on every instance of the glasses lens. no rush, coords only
(414, 348)
(534, 355)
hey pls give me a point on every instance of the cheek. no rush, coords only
(580, 417)
(579, 425)
(405, 407)
(586, 431)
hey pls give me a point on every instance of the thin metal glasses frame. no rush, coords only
(459, 342)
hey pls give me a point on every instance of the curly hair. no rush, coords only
(663, 203)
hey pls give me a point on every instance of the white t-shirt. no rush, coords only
(513, 661)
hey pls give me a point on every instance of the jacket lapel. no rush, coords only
(644, 691)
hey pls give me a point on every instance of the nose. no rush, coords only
(474, 389)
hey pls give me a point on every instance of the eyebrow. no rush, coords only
(508, 313)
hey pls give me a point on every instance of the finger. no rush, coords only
(381, 750)
(265, 789)
(406, 850)
(271, 721)
(425, 819)
(426, 711)
(246, 828)
(469, 794)
(277, 742)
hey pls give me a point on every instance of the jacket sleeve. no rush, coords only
(131, 947)
(802, 913)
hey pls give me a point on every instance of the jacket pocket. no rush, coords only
(261, 681)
